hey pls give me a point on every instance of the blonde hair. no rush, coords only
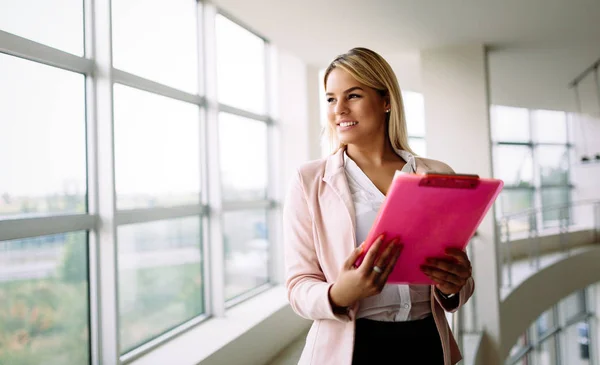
(372, 70)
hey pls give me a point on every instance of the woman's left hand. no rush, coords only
(451, 273)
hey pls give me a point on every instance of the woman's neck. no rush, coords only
(376, 154)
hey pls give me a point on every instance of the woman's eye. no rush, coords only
(353, 96)
(329, 100)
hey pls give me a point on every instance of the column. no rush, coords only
(456, 93)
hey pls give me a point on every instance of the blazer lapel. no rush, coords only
(335, 177)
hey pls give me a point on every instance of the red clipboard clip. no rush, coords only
(454, 181)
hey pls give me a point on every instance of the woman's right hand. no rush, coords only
(355, 283)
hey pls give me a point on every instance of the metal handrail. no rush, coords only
(533, 232)
(536, 210)
(504, 238)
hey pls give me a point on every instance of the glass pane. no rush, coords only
(515, 201)
(246, 251)
(414, 110)
(523, 361)
(545, 323)
(243, 170)
(418, 145)
(55, 23)
(518, 347)
(575, 344)
(555, 205)
(160, 278)
(553, 163)
(157, 150)
(44, 295)
(240, 67)
(42, 148)
(545, 353)
(514, 165)
(549, 126)
(572, 306)
(510, 124)
(157, 41)
(573, 127)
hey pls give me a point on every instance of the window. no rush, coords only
(560, 335)
(510, 124)
(44, 295)
(545, 352)
(240, 67)
(112, 173)
(514, 165)
(157, 41)
(157, 150)
(54, 23)
(246, 251)
(160, 278)
(42, 139)
(414, 112)
(243, 152)
(573, 306)
(531, 154)
(43, 277)
(243, 127)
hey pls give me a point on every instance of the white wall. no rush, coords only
(407, 67)
(292, 114)
(538, 76)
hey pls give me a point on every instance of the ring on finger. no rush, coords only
(377, 269)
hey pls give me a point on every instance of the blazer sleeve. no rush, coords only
(307, 288)
(463, 296)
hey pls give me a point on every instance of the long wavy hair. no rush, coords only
(372, 70)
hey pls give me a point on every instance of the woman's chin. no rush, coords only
(346, 138)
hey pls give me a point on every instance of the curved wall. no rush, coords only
(544, 289)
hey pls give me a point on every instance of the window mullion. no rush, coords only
(215, 254)
(102, 201)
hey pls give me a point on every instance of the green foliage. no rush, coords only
(74, 267)
(164, 298)
(43, 322)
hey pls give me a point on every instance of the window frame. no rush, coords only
(103, 218)
(537, 186)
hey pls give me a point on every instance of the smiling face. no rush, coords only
(355, 111)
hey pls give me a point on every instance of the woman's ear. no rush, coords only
(388, 105)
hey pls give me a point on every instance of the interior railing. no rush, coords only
(528, 227)
(532, 227)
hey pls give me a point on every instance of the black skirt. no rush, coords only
(411, 342)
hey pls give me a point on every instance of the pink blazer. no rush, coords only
(319, 225)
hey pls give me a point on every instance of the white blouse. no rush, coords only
(396, 302)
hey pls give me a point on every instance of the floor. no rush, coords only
(291, 354)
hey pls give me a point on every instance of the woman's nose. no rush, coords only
(340, 107)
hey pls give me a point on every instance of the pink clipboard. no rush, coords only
(430, 213)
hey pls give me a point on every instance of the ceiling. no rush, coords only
(548, 41)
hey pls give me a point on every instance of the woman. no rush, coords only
(332, 203)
